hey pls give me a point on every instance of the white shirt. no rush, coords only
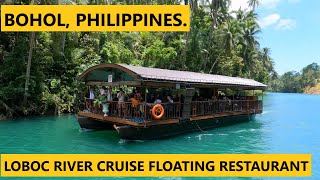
(120, 97)
(109, 96)
(91, 94)
(157, 101)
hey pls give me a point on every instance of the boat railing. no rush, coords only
(171, 111)
(201, 108)
(142, 112)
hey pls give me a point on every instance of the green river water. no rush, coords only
(289, 124)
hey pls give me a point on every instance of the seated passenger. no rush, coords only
(170, 100)
(214, 98)
(176, 98)
(158, 100)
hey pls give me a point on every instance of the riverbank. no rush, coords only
(2, 117)
(313, 90)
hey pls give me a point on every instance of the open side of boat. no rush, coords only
(138, 121)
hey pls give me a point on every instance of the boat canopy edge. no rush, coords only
(122, 74)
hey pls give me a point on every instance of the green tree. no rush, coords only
(254, 3)
(219, 42)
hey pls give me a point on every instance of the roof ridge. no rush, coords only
(189, 72)
(178, 76)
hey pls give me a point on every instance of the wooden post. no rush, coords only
(145, 106)
(262, 101)
(186, 111)
(232, 102)
(247, 102)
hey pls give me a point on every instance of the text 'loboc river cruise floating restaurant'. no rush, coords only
(149, 103)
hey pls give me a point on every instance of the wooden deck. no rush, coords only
(123, 121)
(126, 121)
(109, 119)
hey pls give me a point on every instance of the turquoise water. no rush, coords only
(290, 124)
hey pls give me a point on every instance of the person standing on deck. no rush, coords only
(89, 101)
(121, 104)
(134, 104)
(91, 93)
(103, 91)
(109, 94)
(169, 106)
(137, 94)
(103, 99)
(134, 101)
(109, 98)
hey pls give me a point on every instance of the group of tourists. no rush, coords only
(133, 104)
(219, 102)
(129, 104)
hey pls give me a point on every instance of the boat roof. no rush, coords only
(99, 73)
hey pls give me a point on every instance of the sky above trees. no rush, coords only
(290, 29)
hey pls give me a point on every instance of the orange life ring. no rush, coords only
(157, 111)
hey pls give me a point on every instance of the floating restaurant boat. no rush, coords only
(197, 108)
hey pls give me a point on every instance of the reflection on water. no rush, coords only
(289, 124)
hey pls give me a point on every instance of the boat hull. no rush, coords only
(94, 124)
(167, 130)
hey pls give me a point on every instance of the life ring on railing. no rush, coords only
(157, 111)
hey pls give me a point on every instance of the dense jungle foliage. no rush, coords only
(38, 70)
(306, 81)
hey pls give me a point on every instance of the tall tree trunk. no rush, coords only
(213, 25)
(184, 51)
(26, 87)
(186, 46)
(63, 43)
(215, 62)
